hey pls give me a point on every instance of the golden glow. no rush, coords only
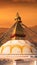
(27, 12)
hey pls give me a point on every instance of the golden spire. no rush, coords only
(18, 18)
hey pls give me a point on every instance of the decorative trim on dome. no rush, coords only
(16, 46)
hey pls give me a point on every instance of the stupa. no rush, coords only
(15, 43)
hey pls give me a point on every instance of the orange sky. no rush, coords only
(27, 12)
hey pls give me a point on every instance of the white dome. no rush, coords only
(17, 47)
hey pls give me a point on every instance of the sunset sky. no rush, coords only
(28, 13)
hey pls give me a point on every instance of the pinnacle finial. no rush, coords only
(18, 18)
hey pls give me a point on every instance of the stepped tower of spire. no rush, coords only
(18, 31)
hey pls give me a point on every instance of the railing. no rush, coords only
(18, 56)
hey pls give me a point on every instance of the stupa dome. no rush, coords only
(17, 47)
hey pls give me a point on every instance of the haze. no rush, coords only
(27, 11)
